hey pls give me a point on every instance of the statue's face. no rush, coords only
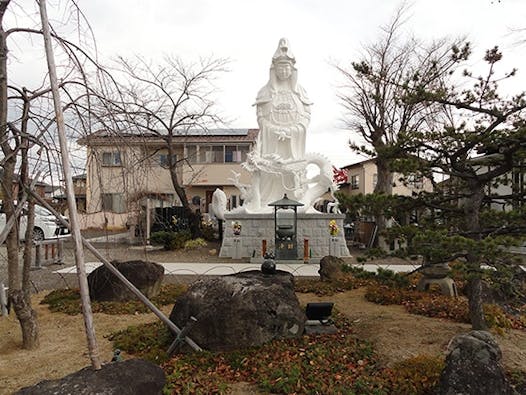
(283, 71)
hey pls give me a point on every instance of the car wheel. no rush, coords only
(38, 234)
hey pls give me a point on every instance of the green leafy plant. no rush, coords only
(67, 301)
(171, 240)
(194, 243)
(324, 364)
(150, 341)
(208, 230)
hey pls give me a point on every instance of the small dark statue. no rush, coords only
(269, 265)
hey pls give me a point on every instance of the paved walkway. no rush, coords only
(217, 269)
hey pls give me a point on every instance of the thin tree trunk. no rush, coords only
(193, 218)
(384, 185)
(472, 208)
(476, 311)
(27, 318)
(25, 314)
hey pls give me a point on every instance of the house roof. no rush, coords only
(180, 136)
(359, 163)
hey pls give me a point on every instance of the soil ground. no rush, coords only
(63, 350)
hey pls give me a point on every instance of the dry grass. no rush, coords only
(396, 334)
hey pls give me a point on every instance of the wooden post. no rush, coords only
(70, 194)
(305, 250)
(38, 256)
(220, 229)
(148, 221)
(60, 252)
(263, 248)
(3, 300)
(121, 277)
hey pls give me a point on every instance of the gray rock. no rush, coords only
(242, 310)
(331, 268)
(146, 276)
(436, 270)
(131, 377)
(473, 366)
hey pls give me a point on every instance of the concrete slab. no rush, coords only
(219, 269)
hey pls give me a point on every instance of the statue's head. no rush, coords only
(283, 53)
(283, 62)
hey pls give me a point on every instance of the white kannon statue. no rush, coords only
(283, 109)
(278, 163)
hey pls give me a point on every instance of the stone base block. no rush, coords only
(257, 234)
(447, 285)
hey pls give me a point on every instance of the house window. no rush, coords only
(375, 180)
(236, 153)
(113, 202)
(231, 154)
(415, 181)
(163, 160)
(218, 154)
(111, 158)
(191, 153)
(243, 151)
(355, 182)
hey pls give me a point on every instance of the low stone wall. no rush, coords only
(258, 227)
(103, 220)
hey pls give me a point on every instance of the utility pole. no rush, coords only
(73, 217)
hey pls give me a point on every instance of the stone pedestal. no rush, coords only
(447, 285)
(237, 248)
(259, 227)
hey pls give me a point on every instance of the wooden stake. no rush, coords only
(174, 328)
(70, 195)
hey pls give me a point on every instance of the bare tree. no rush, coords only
(21, 130)
(167, 101)
(375, 99)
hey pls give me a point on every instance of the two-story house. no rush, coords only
(362, 177)
(507, 191)
(129, 172)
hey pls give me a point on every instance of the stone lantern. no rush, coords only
(285, 228)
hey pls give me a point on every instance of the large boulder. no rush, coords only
(241, 310)
(131, 377)
(146, 276)
(473, 366)
(331, 268)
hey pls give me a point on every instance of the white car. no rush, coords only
(46, 226)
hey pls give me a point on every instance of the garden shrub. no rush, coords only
(417, 375)
(324, 288)
(441, 306)
(389, 277)
(194, 243)
(67, 301)
(385, 295)
(151, 341)
(316, 364)
(171, 240)
(208, 230)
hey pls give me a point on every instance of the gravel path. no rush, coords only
(112, 249)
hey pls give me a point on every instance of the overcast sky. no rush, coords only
(320, 32)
